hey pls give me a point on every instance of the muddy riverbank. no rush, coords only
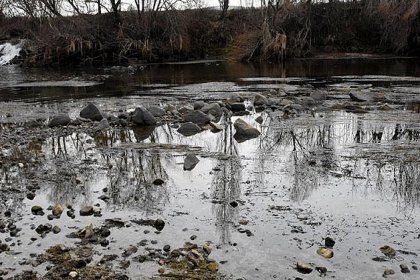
(328, 185)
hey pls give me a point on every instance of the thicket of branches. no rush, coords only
(112, 31)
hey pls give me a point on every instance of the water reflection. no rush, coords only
(345, 146)
(377, 158)
(226, 180)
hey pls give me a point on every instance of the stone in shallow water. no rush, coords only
(59, 120)
(86, 211)
(244, 131)
(91, 112)
(329, 242)
(197, 117)
(156, 111)
(189, 129)
(303, 267)
(57, 210)
(404, 268)
(325, 252)
(190, 162)
(260, 100)
(141, 116)
(388, 251)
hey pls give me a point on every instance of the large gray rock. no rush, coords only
(197, 117)
(213, 109)
(186, 109)
(237, 106)
(260, 100)
(143, 117)
(156, 111)
(91, 112)
(190, 162)
(189, 128)
(244, 131)
(59, 120)
(199, 104)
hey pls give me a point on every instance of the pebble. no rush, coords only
(73, 274)
(86, 211)
(388, 251)
(213, 266)
(388, 272)
(329, 242)
(161, 270)
(404, 268)
(57, 210)
(303, 267)
(325, 252)
(158, 182)
(56, 229)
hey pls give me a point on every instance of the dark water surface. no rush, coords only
(352, 176)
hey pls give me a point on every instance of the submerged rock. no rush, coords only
(189, 129)
(59, 120)
(141, 116)
(91, 112)
(244, 131)
(190, 162)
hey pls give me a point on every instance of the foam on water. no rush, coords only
(8, 52)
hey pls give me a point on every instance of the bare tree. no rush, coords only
(224, 6)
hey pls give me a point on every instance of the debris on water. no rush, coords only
(158, 223)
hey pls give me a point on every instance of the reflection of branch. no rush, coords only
(226, 183)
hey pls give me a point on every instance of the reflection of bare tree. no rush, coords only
(407, 184)
(134, 170)
(131, 180)
(226, 182)
(310, 148)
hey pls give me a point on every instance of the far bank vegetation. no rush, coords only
(117, 32)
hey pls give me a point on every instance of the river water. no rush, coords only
(264, 204)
